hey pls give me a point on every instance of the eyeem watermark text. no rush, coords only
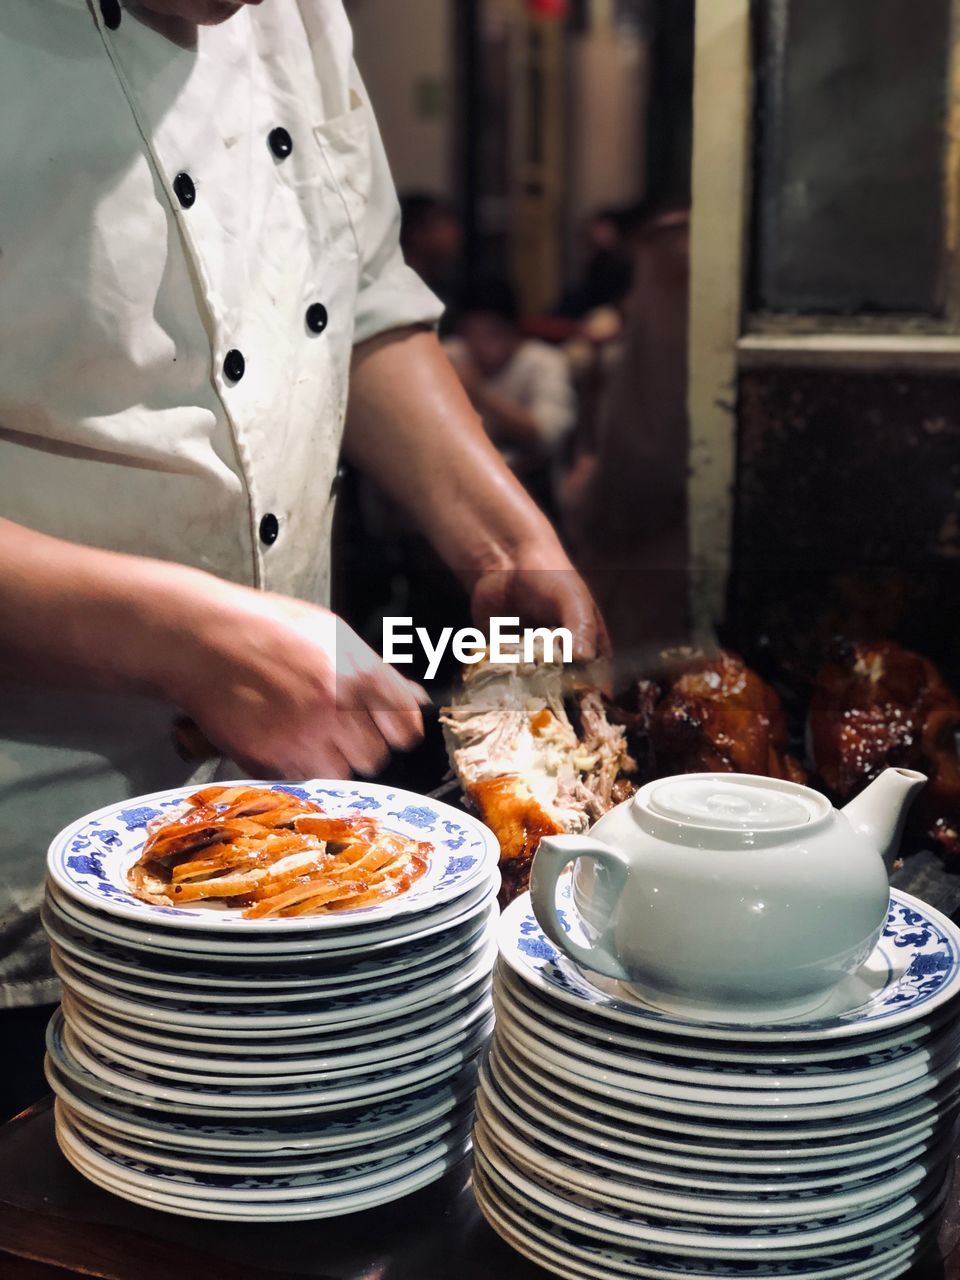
(506, 643)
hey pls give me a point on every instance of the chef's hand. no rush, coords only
(542, 588)
(284, 688)
(287, 690)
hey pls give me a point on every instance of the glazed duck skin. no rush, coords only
(718, 715)
(879, 705)
(273, 854)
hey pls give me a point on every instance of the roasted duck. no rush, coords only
(879, 705)
(718, 715)
(272, 854)
(524, 767)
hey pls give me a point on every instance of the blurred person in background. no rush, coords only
(520, 386)
(431, 237)
(607, 268)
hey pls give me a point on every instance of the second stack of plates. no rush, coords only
(616, 1140)
(272, 1069)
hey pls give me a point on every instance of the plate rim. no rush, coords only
(440, 1097)
(858, 1078)
(638, 1014)
(848, 1271)
(179, 918)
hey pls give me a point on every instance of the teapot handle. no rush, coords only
(554, 854)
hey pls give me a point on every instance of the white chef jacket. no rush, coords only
(196, 227)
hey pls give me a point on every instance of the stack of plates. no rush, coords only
(614, 1140)
(269, 1069)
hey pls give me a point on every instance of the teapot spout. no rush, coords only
(880, 810)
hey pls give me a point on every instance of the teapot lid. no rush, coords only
(731, 802)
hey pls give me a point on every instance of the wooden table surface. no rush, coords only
(55, 1224)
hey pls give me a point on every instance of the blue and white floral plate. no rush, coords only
(246, 1020)
(321, 1063)
(913, 970)
(810, 1237)
(708, 1155)
(885, 1049)
(240, 1187)
(639, 1056)
(705, 1204)
(90, 859)
(259, 1166)
(259, 1136)
(113, 1175)
(157, 987)
(242, 948)
(284, 1042)
(94, 1070)
(290, 975)
(574, 1256)
(720, 1099)
(189, 1071)
(287, 1211)
(622, 1117)
(624, 1159)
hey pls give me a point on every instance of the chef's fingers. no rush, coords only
(329, 762)
(400, 720)
(403, 686)
(420, 693)
(399, 734)
(578, 612)
(361, 741)
(358, 670)
(489, 596)
(191, 742)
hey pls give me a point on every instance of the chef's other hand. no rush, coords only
(543, 590)
(288, 690)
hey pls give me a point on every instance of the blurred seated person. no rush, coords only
(607, 269)
(520, 386)
(589, 314)
(431, 237)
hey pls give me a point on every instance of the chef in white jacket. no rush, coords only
(198, 262)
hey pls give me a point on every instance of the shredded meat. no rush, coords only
(607, 744)
(522, 765)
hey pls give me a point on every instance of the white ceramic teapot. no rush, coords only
(731, 896)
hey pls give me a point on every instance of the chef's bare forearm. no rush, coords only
(412, 429)
(258, 672)
(509, 424)
(79, 616)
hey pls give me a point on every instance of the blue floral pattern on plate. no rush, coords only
(641, 1226)
(90, 859)
(212, 1186)
(782, 1075)
(319, 975)
(623, 1258)
(104, 1078)
(350, 1127)
(465, 971)
(914, 969)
